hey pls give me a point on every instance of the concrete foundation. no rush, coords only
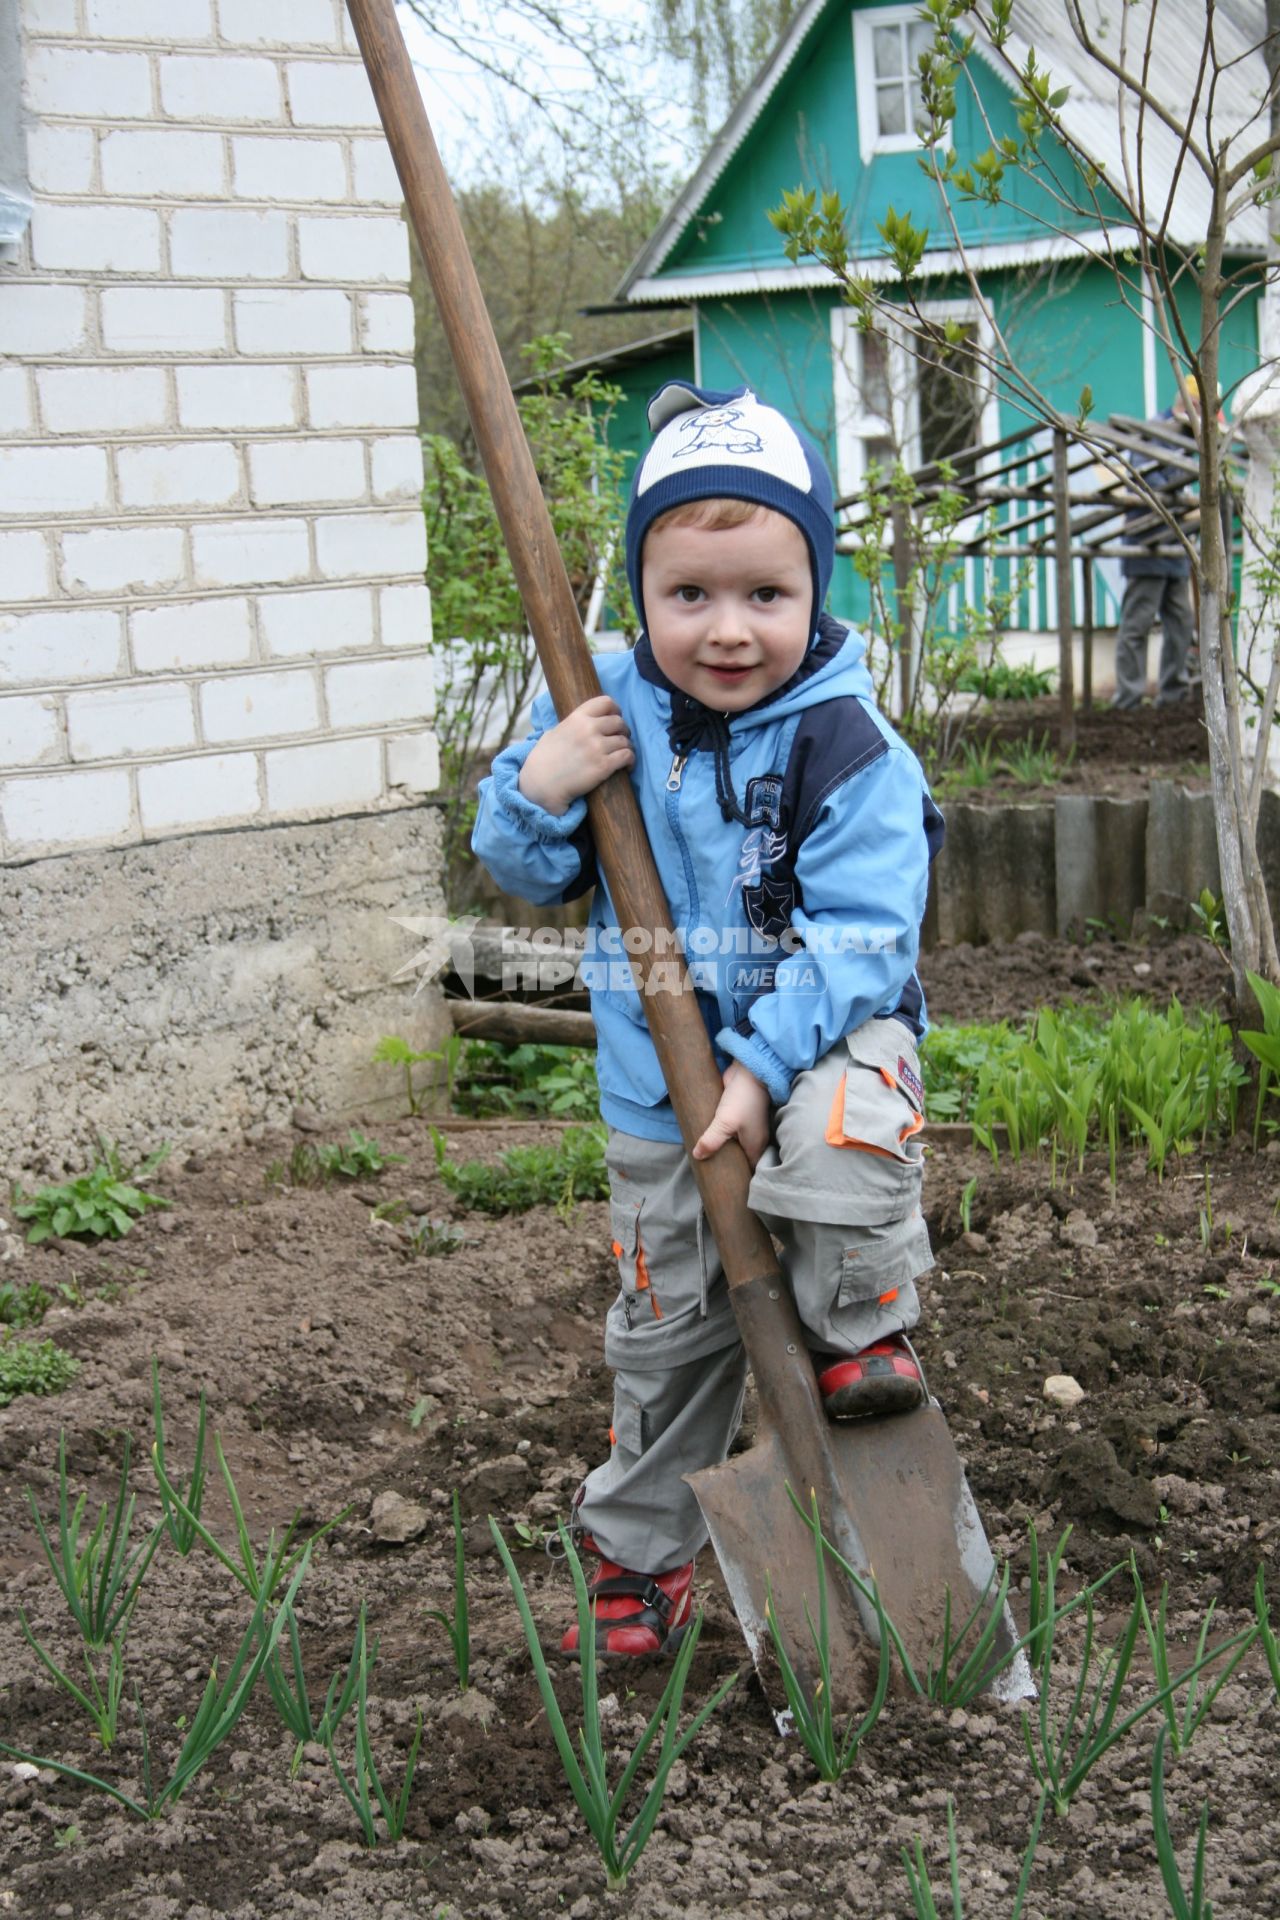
(994, 877)
(197, 989)
(1182, 850)
(1099, 862)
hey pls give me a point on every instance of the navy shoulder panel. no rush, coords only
(832, 743)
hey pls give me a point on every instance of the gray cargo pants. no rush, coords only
(1148, 598)
(839, 1189)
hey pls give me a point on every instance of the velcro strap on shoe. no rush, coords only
(634, 1585)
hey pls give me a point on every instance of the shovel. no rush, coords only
(891, 1494)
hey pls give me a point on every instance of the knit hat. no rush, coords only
(730, 446)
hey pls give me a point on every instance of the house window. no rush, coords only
(903, 394)
(887, 44)
(15, 199)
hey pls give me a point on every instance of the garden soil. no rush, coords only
(340, 1366)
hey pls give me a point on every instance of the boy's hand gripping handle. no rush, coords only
(675, 1022)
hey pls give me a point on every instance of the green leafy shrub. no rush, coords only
(1000, 681)
(529, 1078)
(486, 668)
(23, 1306)
(101, 1205)
(33, 1367)
(560, 1175)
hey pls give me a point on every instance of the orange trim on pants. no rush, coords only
(835, 1135)
(642, 1280)
(642, 1274)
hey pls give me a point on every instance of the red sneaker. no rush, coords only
(883, 1378)
(636, 1613)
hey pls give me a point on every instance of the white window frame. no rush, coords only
(870, 140)
(855, 426)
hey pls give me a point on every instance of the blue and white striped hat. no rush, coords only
(718, 446)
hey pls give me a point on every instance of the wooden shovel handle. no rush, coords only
(684, 1050)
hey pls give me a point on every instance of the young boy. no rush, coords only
(793, 833)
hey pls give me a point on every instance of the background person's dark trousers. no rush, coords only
(1148, 598)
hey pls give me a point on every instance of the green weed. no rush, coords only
(23, 1306)
(28, 1366)
(966, 1203)
(396, 1052)
(559, 1176)
(1210, 917)
(1264, 1045)
(101, 1205)
(435, 1239)
(309, 1166)
(976, 766)
(1032, 763)
(1074, 1078)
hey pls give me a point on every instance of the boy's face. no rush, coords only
(729, 610)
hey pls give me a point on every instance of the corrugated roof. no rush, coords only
(1166, 37)
(1233, 109)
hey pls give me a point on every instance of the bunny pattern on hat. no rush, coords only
(730, 446)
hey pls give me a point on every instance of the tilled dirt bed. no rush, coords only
(317, 1335)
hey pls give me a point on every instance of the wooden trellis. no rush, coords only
(1086, 487)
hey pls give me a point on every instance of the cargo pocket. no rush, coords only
(876, 1115)
(879, 1103)
(627, 1430)
(639, 1301)
(876, 1262)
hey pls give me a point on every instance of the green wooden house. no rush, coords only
(834, 106)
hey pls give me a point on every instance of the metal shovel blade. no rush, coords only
(892, 1499)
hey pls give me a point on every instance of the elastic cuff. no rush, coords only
(528, 815)
(772, 1072)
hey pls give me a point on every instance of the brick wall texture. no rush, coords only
(212, 610)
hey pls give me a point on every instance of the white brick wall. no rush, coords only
(212, 610)
(150, 320)
(114, 721)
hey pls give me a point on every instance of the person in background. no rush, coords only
(1156, 587)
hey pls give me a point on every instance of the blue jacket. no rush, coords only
(799, 915)
(1157, 566)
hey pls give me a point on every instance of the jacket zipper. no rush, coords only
(674, 778)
